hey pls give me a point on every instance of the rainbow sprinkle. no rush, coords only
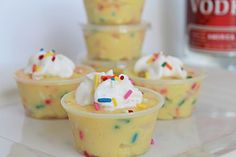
(134, 137)
(152, 141)
(81, 135)
(147, 74)
(114, 101)
(96, 106)
(142, 106)
(130, 111)
(104, 100)
(96, 81)
(127, 94)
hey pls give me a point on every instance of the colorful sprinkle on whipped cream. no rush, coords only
(108, 91)
(49, 63)
(157, 66)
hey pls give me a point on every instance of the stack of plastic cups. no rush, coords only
(115, 33)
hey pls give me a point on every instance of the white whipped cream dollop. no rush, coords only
(49, 63)
(111, 92)
(158, 66)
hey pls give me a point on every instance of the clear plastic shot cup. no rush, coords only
(180, 94)
(114, 12)
(121, 42)
(110, 133)
(118, 67)
(42, 98)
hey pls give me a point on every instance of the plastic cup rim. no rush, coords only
(202, 75)
(54, 82)
(118, 115)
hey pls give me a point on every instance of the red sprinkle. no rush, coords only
(128, 93)
(53, 58)
(96, 106)
(86, 154)
(194, 85)
(41, 57)
(130, 111)
(34, 67)
(169, 66)
(104, 78)
(163, 91)
(81, 135)
(48, 101)
(122, 77)
(152, 141)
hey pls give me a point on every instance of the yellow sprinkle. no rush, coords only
(117, 78)
(142, 106)
(48, 54)
(96, 81)
(38, 68)
(147, 75)
(114, 101)
(150, 60)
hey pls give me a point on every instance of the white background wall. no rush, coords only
(28, 25)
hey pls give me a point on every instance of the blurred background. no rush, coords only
(28, 25)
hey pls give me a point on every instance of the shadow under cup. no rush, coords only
(180, 94)
(113, 134)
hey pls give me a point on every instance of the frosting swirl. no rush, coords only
(108, 91)
(157, 66)
(49, 63)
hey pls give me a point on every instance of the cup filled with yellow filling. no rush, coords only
(43, 82)
(112, 117)
(114, 12)
(118, 67)
(167, 75)
(121, 42)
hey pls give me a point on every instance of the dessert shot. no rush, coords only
(46, 78)
(108, 111)
(168, 75)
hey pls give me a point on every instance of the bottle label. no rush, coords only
(212, 25)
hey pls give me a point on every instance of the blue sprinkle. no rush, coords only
(53, 50)
(104, 100)
(134, 137)
(113, 79)
(42, 49)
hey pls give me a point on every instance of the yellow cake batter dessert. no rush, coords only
(123, 42)
(47, 77)
(112, 117)
(113, 12)
(167, 75)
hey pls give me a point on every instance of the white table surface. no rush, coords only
(211, 129)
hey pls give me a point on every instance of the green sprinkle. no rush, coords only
(164, 64)
(125, 120)
(134, 137)
(132, 34)
(40, 106)
(189, 77)
(181, 102)
(116, 127)
(194, 101)
(113, 13)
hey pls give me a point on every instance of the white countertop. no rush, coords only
(211, 129)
